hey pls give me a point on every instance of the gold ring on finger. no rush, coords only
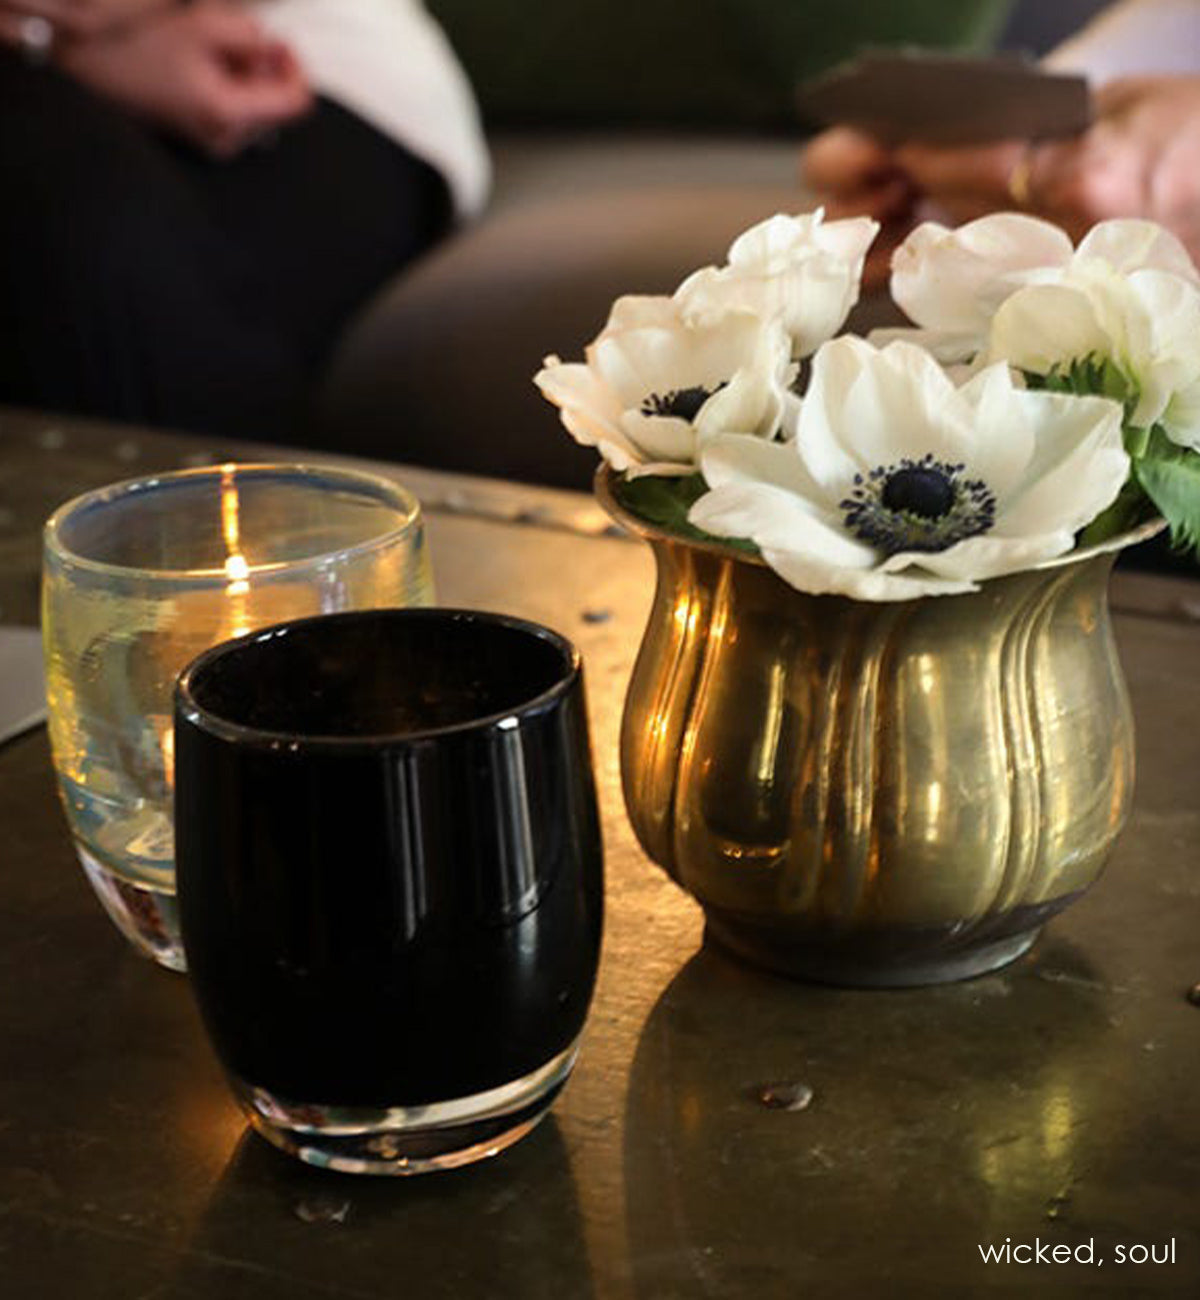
(1020, 178)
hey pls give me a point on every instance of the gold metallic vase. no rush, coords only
(875, 793)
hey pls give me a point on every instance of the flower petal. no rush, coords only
(1130, 244)
(953, 280)
(977, 558)
(587, 407)
(765, 247)
(1181, 419)
(795, 268)
(1078, 466)
(735, 459)
(659, 469)
(949, 347)
(768, 247)
(849, 239)
(641, 311)
(1165, 352)
(867, 408)
(753, 398)
(772, 517)
(805, 547)
(1042, 325)
(809, 574)
(660, 437)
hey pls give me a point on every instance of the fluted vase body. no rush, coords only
(875, 793)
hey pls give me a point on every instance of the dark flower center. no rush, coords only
(925, 492)
(918, 505)
(684, 403)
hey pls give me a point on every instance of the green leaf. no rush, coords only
(1090, 376)
(665, 502)
(1170, 475)
(1131, 508)
(661, 501)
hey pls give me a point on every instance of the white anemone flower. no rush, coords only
(1145, 322)
(654, 385)
(949, 283)
(1010, 288)
(802, 269)
(899, 484)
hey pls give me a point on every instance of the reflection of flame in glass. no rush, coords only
(237, 568)
(229, 510)
(166, 742)
(237, 571)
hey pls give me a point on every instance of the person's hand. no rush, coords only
(851, 174)
(1140, 158)
(209, 73)
(76, 19)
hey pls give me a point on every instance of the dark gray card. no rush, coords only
(936, 98)
(22, 693)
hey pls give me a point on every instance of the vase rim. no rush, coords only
(603, 491)
(602, 487)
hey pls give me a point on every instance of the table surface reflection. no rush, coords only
(1053, 1103)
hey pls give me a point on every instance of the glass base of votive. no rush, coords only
(400, 1140)
(147, 917)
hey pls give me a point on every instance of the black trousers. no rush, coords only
(143, 281)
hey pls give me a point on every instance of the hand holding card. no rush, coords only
(936, 135)
(947, 138)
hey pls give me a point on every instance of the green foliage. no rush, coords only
(1166, 477)
(1090, 376)
(1170, 476)
(1131, 508)
(665, 502)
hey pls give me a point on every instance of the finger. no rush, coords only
(244, 107)
(1103, 175)
(275, 61)
(1114, 97)
(843, 159)
(982, 171)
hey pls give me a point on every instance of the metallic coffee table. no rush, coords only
(1053, 1103)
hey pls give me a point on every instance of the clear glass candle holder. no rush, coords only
(141, 577)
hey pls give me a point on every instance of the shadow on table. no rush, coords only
(939, 1119)
(277, 1228)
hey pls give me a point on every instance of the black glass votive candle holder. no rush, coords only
(390, 879)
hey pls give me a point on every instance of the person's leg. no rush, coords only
(143, 283)
(323, 213)
(113, 294)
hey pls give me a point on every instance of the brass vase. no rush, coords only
(880, 794)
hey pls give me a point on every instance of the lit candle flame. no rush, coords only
(237, 568)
